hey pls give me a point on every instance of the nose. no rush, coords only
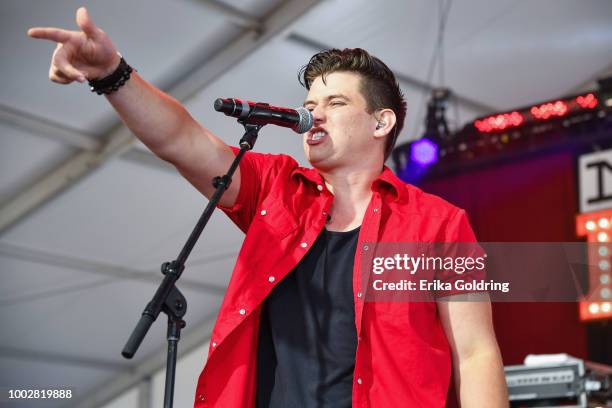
(318, 114)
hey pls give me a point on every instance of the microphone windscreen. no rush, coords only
(306, 120)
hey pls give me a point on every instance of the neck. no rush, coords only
(353, 185)
(352, 190)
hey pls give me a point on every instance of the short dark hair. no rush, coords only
(378, 84)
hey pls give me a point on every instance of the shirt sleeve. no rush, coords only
(256, 172)
(468, 258)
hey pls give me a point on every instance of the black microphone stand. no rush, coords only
(168, 298)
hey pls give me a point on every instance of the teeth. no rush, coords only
(318, 135)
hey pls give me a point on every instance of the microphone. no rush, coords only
(257, 113)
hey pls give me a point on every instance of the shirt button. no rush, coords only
(359, 381)
(263, 212)
(214, 344)
(359, 294)
(319, 187)
(242, 312)
(271, 279)
(365, 247)
(304, 244)
(376, 210)
(201, 397)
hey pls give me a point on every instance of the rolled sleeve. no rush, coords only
(257, 172)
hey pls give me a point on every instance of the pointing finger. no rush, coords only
(52, 34)
(85, 23)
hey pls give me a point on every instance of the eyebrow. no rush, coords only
(328, 98)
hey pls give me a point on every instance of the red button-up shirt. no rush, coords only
(403, 356)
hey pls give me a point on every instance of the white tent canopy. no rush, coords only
(87, 214)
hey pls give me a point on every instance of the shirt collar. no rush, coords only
(386, 181)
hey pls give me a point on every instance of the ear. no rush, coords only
(385, 120)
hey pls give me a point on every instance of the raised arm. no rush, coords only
(156, 118)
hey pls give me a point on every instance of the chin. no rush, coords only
(320, 159)
(312, 157)
(321, 165)
(314, 161)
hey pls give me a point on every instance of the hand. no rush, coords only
(80, 55)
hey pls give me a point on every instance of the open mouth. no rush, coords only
(316, 136)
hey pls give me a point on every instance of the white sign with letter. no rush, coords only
(595, 178)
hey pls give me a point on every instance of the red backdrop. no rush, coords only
(528, 200)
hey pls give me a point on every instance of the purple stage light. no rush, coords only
(424, 152)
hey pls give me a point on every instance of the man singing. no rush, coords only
(294, 329)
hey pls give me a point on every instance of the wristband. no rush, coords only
(112, 82)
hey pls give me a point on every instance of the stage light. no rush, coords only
(538, 113)
(590, 225)
(594, 308)
(602, 237)
(424, 152)
(550, 109)
(577, 120)
(588, 101)
(499, 122)
(412, 159)
(605, 293)
(604, 223)
(604, 278)
(606, 307)
(603, 251)
(604, 265)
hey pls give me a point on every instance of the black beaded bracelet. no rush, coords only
(113, 81)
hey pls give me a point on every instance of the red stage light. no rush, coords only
(499, 122)
(537, 113)
(547, 110)
(588, 101)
